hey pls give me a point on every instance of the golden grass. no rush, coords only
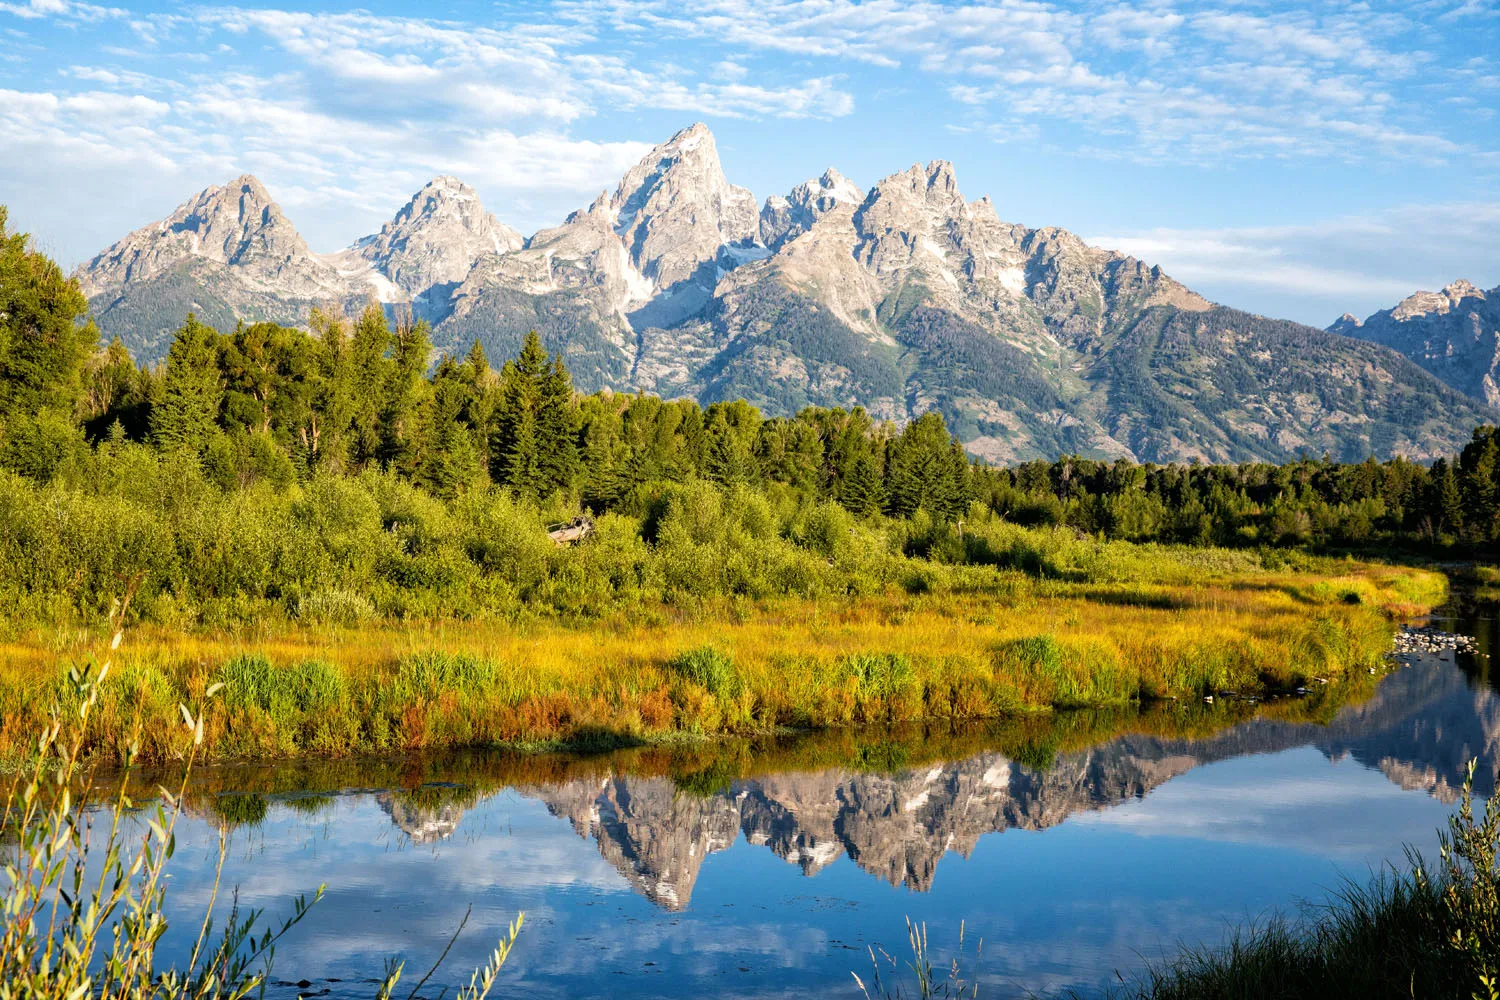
(791, 664)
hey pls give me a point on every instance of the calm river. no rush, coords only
(652, 875)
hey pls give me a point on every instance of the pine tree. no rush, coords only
(862, 492)
(927, 470)
(364, 374)
(557, 431)
(1447, 500)
(603, 452)
(186, 411)
(514, 447)
(405, 420)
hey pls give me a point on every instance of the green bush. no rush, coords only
(709, 668)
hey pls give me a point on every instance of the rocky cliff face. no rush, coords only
(904, 298)
(783, 219)
(235, 226)
(1454, 334)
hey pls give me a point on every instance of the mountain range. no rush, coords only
(903, 298)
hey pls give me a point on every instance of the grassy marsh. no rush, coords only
(1008, 644)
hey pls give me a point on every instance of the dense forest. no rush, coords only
(353, 418)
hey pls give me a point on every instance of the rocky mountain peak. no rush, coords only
(784, 218)
(675, 209)
(434, 239)
(236, 224)
(1427, 303)
(1345, 325)
(1454, 334)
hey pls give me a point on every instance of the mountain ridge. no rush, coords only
(903, 298)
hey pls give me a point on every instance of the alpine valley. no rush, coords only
(902, 298)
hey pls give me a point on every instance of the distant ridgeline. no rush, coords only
(282, 405)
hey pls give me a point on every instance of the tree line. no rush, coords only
(271, 403)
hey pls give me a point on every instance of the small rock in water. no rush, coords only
(1430, 639)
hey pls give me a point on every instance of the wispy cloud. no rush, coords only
(1317, 270)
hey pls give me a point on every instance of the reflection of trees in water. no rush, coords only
(239, 810)
(893, 801)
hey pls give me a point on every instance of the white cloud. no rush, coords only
(1203, 85)
(1316, 271)
(61, 10)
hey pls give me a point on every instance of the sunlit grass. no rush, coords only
(726, 667)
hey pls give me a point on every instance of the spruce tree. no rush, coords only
(405, 423)
(514, 455)
(1447, 500)
(927, 470)
(862, 492)
(186, 410)
(557, 430)
(364, 375)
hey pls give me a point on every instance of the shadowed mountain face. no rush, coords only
(902, 298)
(1420, 729)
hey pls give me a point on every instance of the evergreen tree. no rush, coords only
(557, 430)
(862, 492)
(927, 470)
(363, 377)
(479, 407)
(1447, 502)
(515, 447)
(603, 452)
(185, 414)
(405, 417)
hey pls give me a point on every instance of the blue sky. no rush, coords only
(1295, 159)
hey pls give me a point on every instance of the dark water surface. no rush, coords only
(654, 874)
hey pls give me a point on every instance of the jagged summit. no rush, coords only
(434, 239)
(235, 225)
(1428, 303)
(675, 208)
(784, 218)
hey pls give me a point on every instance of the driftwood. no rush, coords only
(571, 532)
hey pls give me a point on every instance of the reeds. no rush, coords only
(926, 981)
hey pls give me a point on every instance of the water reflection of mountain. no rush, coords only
(423, 819)
(1420, 729)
